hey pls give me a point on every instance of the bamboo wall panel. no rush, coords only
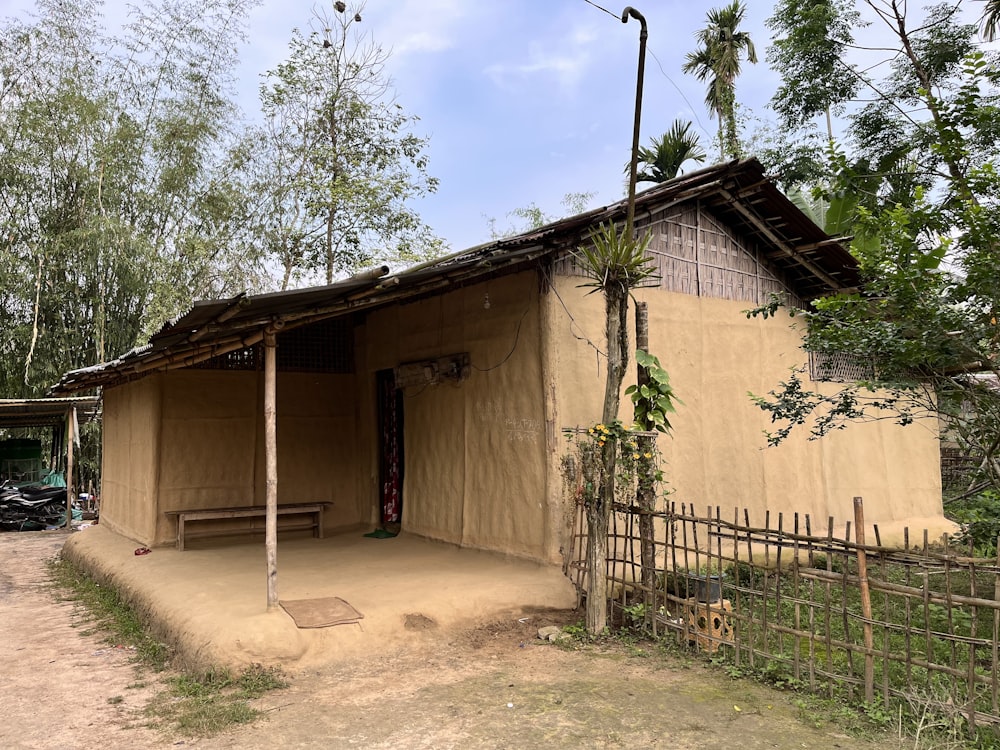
(694, 253)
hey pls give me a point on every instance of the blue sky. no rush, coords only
(527, 100)
(523, 100)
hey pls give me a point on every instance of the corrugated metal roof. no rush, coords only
(46, 412)
(738, 192)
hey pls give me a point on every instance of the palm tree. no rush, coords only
(717, 60)
(991, 20)
(663, 161)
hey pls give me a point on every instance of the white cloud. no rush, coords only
(423, 26)
(564, 59)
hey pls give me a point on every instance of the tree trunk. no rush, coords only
(616, 309)
(598, 516)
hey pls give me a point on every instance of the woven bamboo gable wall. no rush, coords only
(696, 254)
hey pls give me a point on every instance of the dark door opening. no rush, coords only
(390, 431)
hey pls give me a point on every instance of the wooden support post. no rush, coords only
(866, 600)
(646, 490)
(70, 437)
(271, 466)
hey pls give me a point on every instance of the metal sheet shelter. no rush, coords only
(57, 413)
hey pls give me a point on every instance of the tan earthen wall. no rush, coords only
(717, 454)
(194, 439)
(475, 469)
(131, 436)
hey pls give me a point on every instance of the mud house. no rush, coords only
(435, 397)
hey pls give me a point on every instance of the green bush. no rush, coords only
(979, 516)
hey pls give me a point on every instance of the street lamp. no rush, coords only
(634, 163)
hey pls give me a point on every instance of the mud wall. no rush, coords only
(213, 442)
(717, 455)
(131, 445)
(475, 468)
(195, 439)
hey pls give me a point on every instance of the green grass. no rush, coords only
(192, 704)
(204, 704)
(927, 698)
(109, 613)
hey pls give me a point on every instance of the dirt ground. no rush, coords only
(493, 686)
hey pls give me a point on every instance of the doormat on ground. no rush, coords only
(380, 534)
(321, 613)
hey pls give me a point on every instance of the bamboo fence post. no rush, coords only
(738, 604)
(845, 610)
(926, 600)
(765, 631)
(970, 692)
(994, 656)
(827, 610)
(866, 600)
(797, 621)
(271, 467)
(752, 595)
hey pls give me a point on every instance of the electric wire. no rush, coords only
(517, 336)
(694, 112)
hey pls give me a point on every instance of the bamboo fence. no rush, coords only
(816, 604)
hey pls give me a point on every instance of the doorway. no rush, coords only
(390, 432)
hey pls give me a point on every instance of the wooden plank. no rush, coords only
(248, 530)
(203, 514)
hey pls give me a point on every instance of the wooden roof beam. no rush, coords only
(785, 248)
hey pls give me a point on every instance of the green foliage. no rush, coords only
(653, 400)
(979, 515)
(918, 194)
(670, 151)
(114, 214)
(202, 705)
(583, 466)
(199, 704)
(336, 162)
(812, 38)
(110, 612)
(615, 263)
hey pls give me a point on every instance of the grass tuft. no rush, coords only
(108, 612)
(194, 705)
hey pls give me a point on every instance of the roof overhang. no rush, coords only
(738, 192)
(47, 412)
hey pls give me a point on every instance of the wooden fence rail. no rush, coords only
(837, 615)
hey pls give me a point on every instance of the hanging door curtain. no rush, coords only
(390, 404)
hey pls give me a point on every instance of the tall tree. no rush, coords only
(922, 178)
(336, 162)
(717, 61)
(810, 44)
(110, 214)
(668, 154)
(616, 263)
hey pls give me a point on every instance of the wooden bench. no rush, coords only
(313, 510)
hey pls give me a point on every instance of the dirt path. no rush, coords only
(62, 686)
(492, 687)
